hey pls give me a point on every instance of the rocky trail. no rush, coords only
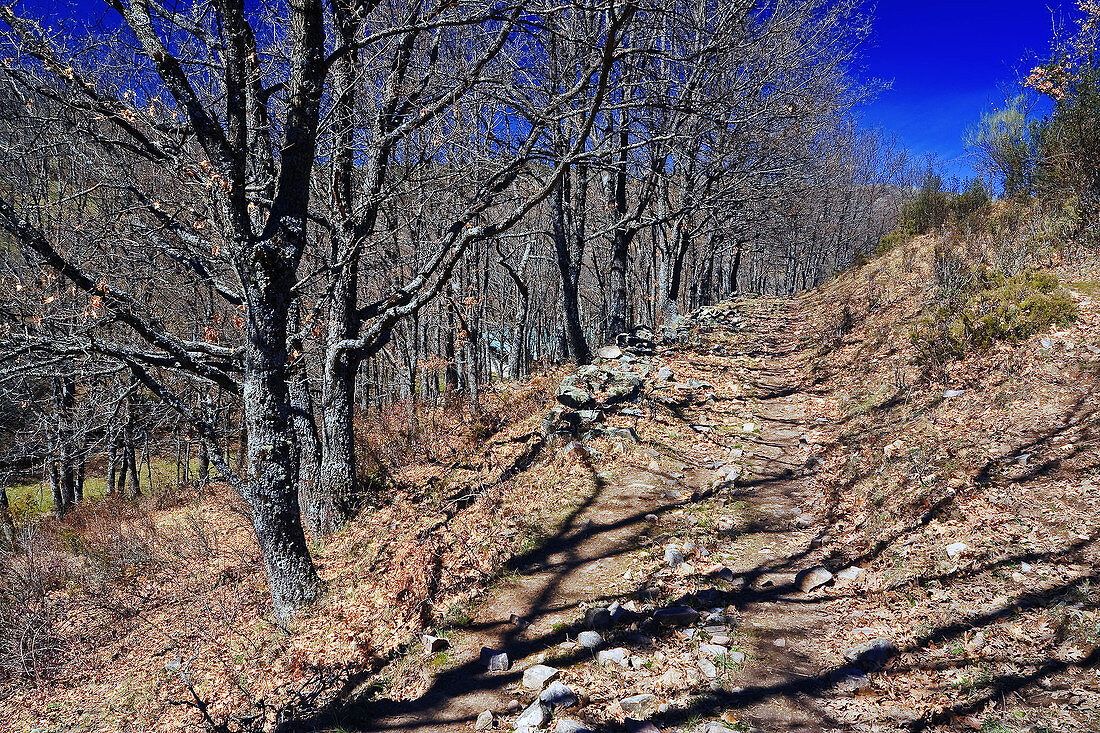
(675, 596)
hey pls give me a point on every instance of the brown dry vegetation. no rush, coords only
(117, 610)
(1005, 633)
(126, 605)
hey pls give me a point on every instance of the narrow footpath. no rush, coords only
(680, 595)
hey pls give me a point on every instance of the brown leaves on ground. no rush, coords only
(1001, 466)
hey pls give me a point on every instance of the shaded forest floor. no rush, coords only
(958, 521)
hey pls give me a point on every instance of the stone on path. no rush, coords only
(812, 578)
(589, 639)
(707, 668)
(434, 644)
(535, 716)
(557, 696)
(484, 721)
(713, 650)
(618, 656)
(673, 556)
(494, 660)
(635, 703)
(538, 676)
(955, 549)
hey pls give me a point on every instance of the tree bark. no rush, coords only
(271, 488)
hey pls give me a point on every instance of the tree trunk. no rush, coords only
(270, 484)
(336, 501)
(112, 458)
(305, 430)
(620, 244)
(7, 525)
(59, 504)
(569, 269)
(204, 462)
(78, 486)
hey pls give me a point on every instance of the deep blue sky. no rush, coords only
(948, 62)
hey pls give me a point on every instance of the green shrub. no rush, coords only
(1016, 308)
(891, 240)
(971, 202)
(1000, 309)
(927, 210)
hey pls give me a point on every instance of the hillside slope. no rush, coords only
(779, 525)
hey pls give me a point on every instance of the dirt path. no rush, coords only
(656, 491)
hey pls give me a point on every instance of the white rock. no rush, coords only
(673, 556)
(484, 721)
(535, 716)
(957, 548)
(713, 650)
(813, 578)
(707, 668)
(609, 352)
(847, 575)
(634, 703)
(617, 656)
(433, 644)
(538, 676)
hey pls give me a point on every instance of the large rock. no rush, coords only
(589, 639)
(812, 578)
(538, 676)
(609, 352)
(494, 660)
(575, 397)
(558, 696)
(590, 417)
(849, 574)
(873, 655)
(536, 715)
(675, 616)
(849, 681)
(597, 618)
(571, 726)
(637, 703)
(617, 656)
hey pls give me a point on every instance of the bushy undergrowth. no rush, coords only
(933, 207)
(977, 307)
(411, 430)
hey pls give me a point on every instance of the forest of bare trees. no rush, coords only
(233, 229)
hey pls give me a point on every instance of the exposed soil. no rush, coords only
(609, 536)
